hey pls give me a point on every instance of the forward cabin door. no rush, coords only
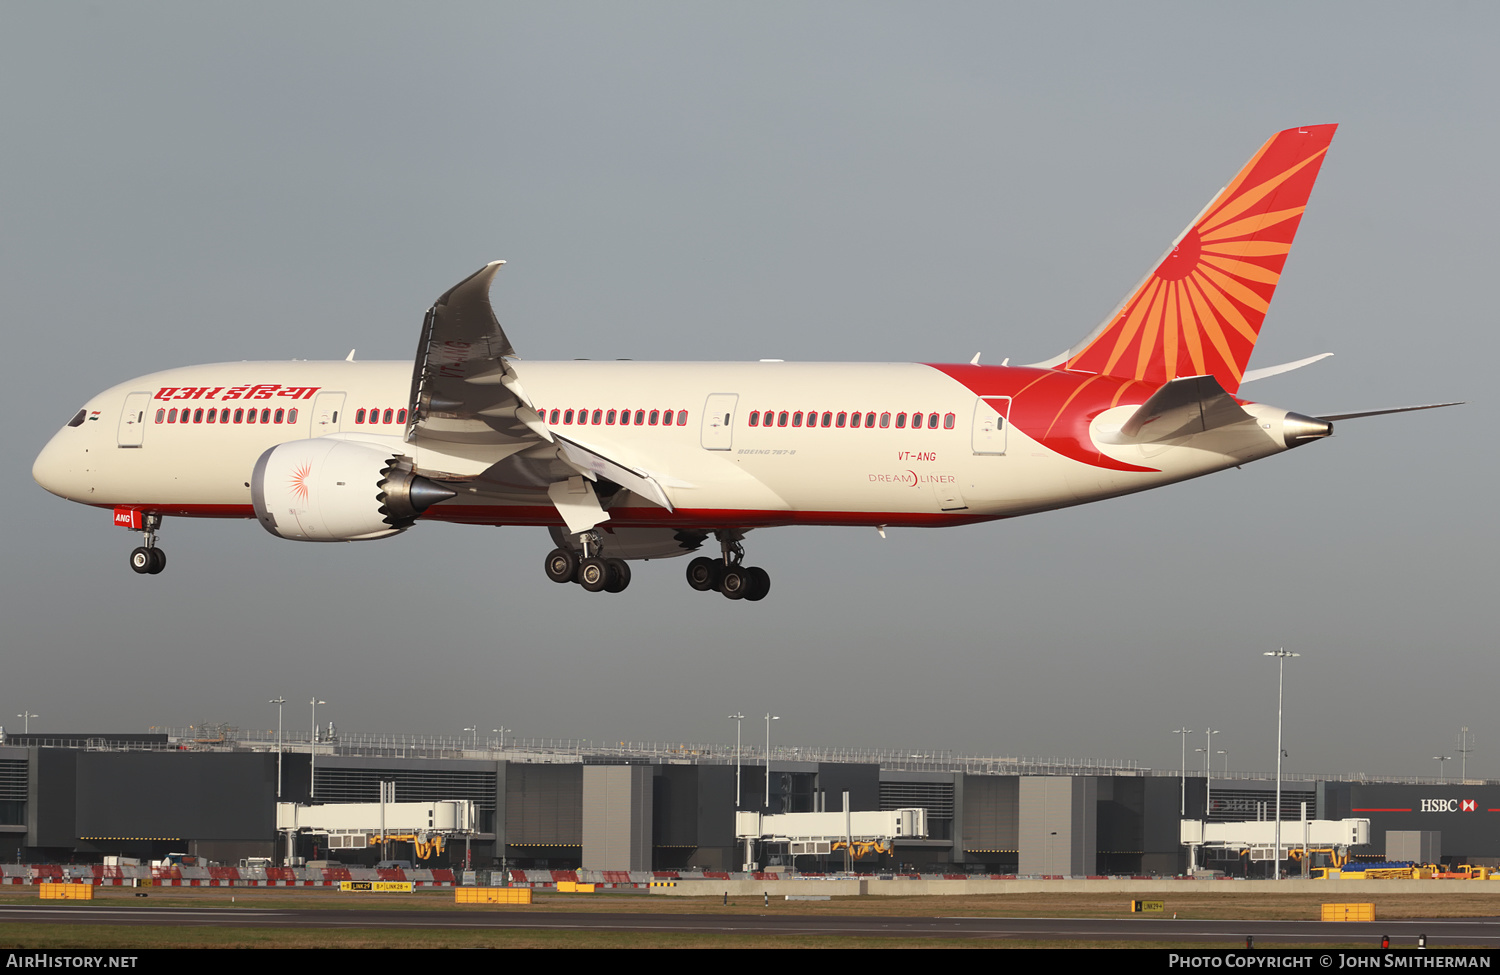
(718, 421)
(133, 419)
(326, 414)
(991, 424)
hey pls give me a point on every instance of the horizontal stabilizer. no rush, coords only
(1253, 374)
(1397, 409)
(1181, 408)
(589, 460)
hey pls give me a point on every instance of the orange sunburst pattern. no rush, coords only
(1200, 312)
(299, 481)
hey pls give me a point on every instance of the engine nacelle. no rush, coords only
(330, 490)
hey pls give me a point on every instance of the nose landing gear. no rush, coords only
(148, 559)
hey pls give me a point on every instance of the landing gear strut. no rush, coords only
(728, 574)
(589, 569)
(148, 559)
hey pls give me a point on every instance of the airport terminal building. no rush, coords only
(562, 805)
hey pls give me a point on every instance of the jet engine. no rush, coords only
(329, 490)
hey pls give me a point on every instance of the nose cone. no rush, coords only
(56, 466)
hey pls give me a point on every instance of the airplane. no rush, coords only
(624, 461)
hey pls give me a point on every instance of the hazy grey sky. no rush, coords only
(193, 182)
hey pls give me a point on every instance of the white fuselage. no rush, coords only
(146, 445)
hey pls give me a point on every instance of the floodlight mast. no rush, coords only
(737, 718)
(1280, 655)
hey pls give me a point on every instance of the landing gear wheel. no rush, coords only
(141, 560)
(759, 584)
(593, 575)
(619, 575)
(735, 582)
(158, 561)
(703, 573)
(562, 565)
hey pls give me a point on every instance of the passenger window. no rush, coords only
(568, 417)
(655, 415)
(239, 416)
(900, 421)
(869, 419)
(211, 415)
(198, 415)
(843, 418)
(250, 417)
(280, 415)
(932, 421)
(797, 419)
(640, 417)
(291, 415)
(828, 419)
(948, 420)
(854, 419)
(755, 418)
(161, 416)
(598, 417)
(682, 418)
(389, 416)
(609, 418)
(554, 416)
(781, 419)
(400, 416)
(359, 416)
(171, 416)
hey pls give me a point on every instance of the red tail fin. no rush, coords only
(1199, 313)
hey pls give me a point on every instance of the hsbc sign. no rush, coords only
(1450, 805)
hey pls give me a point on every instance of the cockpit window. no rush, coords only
(77, 420)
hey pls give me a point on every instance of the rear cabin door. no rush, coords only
(718, 421)
(991, 424)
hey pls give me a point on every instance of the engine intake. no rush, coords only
(327, 490)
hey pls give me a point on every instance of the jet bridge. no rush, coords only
(1259, 836)
(357, 825)
(823, 833)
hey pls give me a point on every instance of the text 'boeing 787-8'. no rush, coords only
(644, 460)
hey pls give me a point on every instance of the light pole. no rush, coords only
(769, 718)
(475, 730)
(278, 700)
(1184, 732)
(1280, 656)
(501, 732)
(26, 717)
(1464, 738)
(1208, 786)
(312, 752)
(1441, 760)
(738, 720)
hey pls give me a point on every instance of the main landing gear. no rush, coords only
(589, 569)
(148, 559)
(728, 574)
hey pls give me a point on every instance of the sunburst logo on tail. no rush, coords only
(299, 481)
(1199, 313)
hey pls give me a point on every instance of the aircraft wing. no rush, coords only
(463, 388)
(466, 390)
